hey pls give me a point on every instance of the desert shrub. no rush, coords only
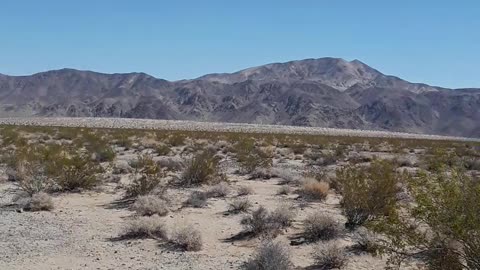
(197, 199)
(314, 190)
(150, 205)
(366, 241)
(447, 204)
(319, 226)
(96, 145)
(146, 177)
(269, 256)
(288, 176)
(326, 159)
(261, 221)
(176, 140)
(329, 256)
(368, 192)
(282, 216)
(284, 190)
(239, 206)
(257, 222)
(202, 169)
(171, 163)
(162, 150)
(438, 159)
(244, 191)
(75, 171)
(218, 191)
(261, 173)
(472, 163)
(123, 140)
(145, 227)
(251, 157)
(188, 238)
(32, 177)
(40, 202)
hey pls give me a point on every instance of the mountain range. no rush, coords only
(325, 92)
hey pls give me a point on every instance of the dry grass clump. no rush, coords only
(219, 190)
(261, 221)
(202, 169)
(288, 176)
(319, 226)
(187, 238)
(270, 256)
(239, 206)
(329, 256)
(244, 191)
(145, 227)
(197, 199)
(284, 190)
(40, 202)
(150, 205)
(282, 216)
(314, 190)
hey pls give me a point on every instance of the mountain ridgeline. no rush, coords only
(325, 92)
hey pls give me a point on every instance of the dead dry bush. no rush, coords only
(39, 202)
(329, 256)
(197, 199)
(187, 238)
(314, 190)
(239, 206)
(320, 226)
(145, 227)
(150, 205)
(270, 256)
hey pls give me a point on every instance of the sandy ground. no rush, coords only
(82, 231)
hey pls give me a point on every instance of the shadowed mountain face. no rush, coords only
(326, 92)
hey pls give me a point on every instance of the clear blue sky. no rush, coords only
(437, 42)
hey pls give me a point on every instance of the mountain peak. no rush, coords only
(334, 72)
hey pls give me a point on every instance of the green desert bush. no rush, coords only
(202, 169)
(32, 177)
(314, 190)
(251, 157)
(74, 171)
(270, 256)
(146, 177)
(219, 190)
(162, 150)
(368, 192)
(443, 223)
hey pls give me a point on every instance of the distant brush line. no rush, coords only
(177, 125)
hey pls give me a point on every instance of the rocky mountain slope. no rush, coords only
(327, 92)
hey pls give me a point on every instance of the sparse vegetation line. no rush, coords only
(175, 125)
